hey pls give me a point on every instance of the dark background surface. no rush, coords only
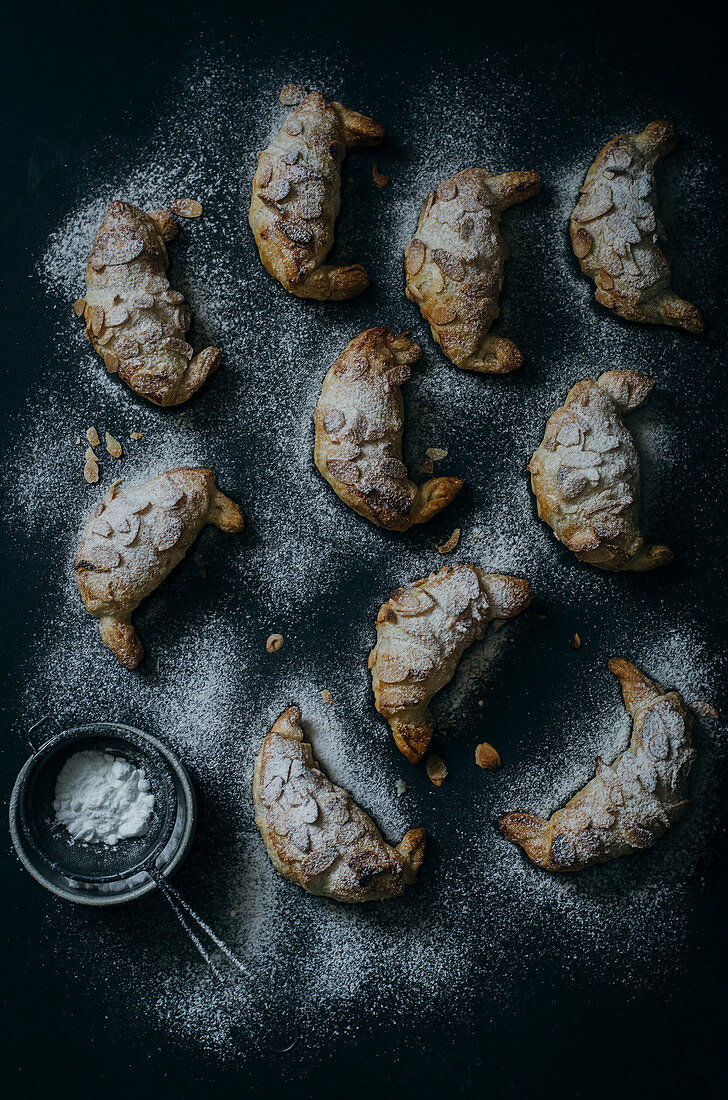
(73, 75)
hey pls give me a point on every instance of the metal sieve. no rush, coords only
(99, 874)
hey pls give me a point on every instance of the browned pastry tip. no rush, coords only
(359, 422)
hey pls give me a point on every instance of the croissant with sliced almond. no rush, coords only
(134, 319)
(135, 537)
(359, 423)
(422, 632)
(617, 236)
(313, 831)
(628, 805)
(454, 266)
(586, 474)
(297, 195)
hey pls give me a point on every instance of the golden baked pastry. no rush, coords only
(454, 266)
(359, 423)
(422, 632)
(134, 538)
(315, 834)
(134, 319)
(586, 474)
(616, 234)
(628, 805)
(296, 198)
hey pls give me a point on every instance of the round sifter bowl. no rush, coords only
(100, 874)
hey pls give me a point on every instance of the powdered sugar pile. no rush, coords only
(102, 799)
(307, 567)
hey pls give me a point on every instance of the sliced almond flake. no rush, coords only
(436, 453)
(575, 642)
(136, 435)
(113, 446)
(436, 769)
(379, 178)
(186, 208)
(401, 787)
(291, 94)
(449, 546)
(79, 306)
(274, 642)
(705, 710)
(327, 696)
(91, 471)
(90, 455)
(93, 437)
(487, 757)
(111, 362)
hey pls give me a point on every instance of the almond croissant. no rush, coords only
(296, 198)
(629, 804)
(134, 538)
(314, 832)
(134, 319)
(359, 424)
(422, 632)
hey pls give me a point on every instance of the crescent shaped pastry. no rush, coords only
(359, 423)
(296, 198)
(422, 632)
(313, 831)
(134, 538)
(454, 265)
(626, 806)
(134, 319)
(616, 234)
(586, 474)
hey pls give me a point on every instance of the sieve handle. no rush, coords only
(41, 731)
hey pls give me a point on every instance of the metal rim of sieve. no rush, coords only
(148, 860)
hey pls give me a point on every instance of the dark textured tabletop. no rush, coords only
(490, 977)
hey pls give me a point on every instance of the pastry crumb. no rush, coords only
(436, 453)
(291, 94)
(327, 696)
(379, 177)
(78, 440)
(436, 769)
(274, 642)
(93, 437)
(401, 787)
(186, 208)
(487, 757)
(575, 642)
(427, 466)
(705, 710)
(449, 546)
(113, 446)
(136, 435)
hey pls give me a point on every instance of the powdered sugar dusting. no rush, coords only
(310, 569)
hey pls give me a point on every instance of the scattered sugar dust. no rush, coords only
(481, 913)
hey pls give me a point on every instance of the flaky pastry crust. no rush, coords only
(628, 805)
(359, 424)
(134, 538)
(616, 234)
(297, 195)
(422, 632)
(315, 834)
(134, 319)
(586, 474)
(454, 266)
